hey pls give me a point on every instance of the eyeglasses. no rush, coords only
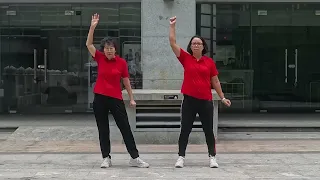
(196, 44)
(109, 48)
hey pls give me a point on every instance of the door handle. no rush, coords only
(45, 65)
(35, 66)
(296, 67)
(286, 65)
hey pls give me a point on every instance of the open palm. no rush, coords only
(95, 20)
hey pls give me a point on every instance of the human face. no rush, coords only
(109, 51)
(196, 46)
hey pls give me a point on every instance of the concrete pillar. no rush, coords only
(160, 67)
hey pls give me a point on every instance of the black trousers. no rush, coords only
(189, 109)
(101, 106)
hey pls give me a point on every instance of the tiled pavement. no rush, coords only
(286, 166)
(39, 153)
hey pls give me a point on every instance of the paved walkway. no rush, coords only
(69, 149)
(288, 146)
(232, 166)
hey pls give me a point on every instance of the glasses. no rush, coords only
(109, 48)
(196, 44)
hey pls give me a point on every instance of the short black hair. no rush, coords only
(108, 41)
(205, 46)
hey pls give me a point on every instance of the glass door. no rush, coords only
(42, 62)
(286, 57)
(305, 47)
(61, 59)
(20, 56)
(272, 56)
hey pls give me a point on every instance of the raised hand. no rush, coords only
(94, 20)
(173, 20)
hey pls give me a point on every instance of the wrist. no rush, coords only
(222, 99)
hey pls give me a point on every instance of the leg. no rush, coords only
(206, 118)
(101, 111)
(119, 113)
(188, 115)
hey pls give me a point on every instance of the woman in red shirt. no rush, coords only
(108, 97)
(200, 74)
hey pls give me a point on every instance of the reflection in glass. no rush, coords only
(47, 42)
(262, 51)
(231, 51)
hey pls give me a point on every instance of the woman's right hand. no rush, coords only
(94, 20)
(173, 20)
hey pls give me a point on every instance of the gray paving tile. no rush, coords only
(232, 166)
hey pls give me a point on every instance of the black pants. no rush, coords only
(101, 106)
(189, 109)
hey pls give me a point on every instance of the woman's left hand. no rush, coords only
(132, 103)
(226, 102)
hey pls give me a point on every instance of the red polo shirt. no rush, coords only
(197, 75)
(109, 77)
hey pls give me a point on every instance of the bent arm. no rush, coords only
(89, 42)
(172, 38)
(217, 86)
(127, 85)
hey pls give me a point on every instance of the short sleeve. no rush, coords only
(213, 71)
(98, 55)
(183, 56)
(125, 72)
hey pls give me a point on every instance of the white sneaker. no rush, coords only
(138, 162)
(213, 162)
(180, 162)
(106, 163)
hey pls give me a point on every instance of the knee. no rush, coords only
(185, 131)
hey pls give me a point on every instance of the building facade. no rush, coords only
(267, 52)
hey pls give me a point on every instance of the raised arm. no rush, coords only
(89, 43)
(172, 37)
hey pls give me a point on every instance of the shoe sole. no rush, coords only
(104, 167)
(131, 165)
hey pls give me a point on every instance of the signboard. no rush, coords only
(166, 97)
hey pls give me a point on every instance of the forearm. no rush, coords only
(90, 36)
(172, 34)
(217, 86)
(127, 86)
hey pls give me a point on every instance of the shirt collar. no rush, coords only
(201, 59)
(113, 59)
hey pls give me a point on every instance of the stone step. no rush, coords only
(269, 120)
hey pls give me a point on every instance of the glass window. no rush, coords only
(205, 32)
(208, 41)
(206, 8)
(205, 20)
(55, 35)
(214, 21)
(228, 32)
(214, 10)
